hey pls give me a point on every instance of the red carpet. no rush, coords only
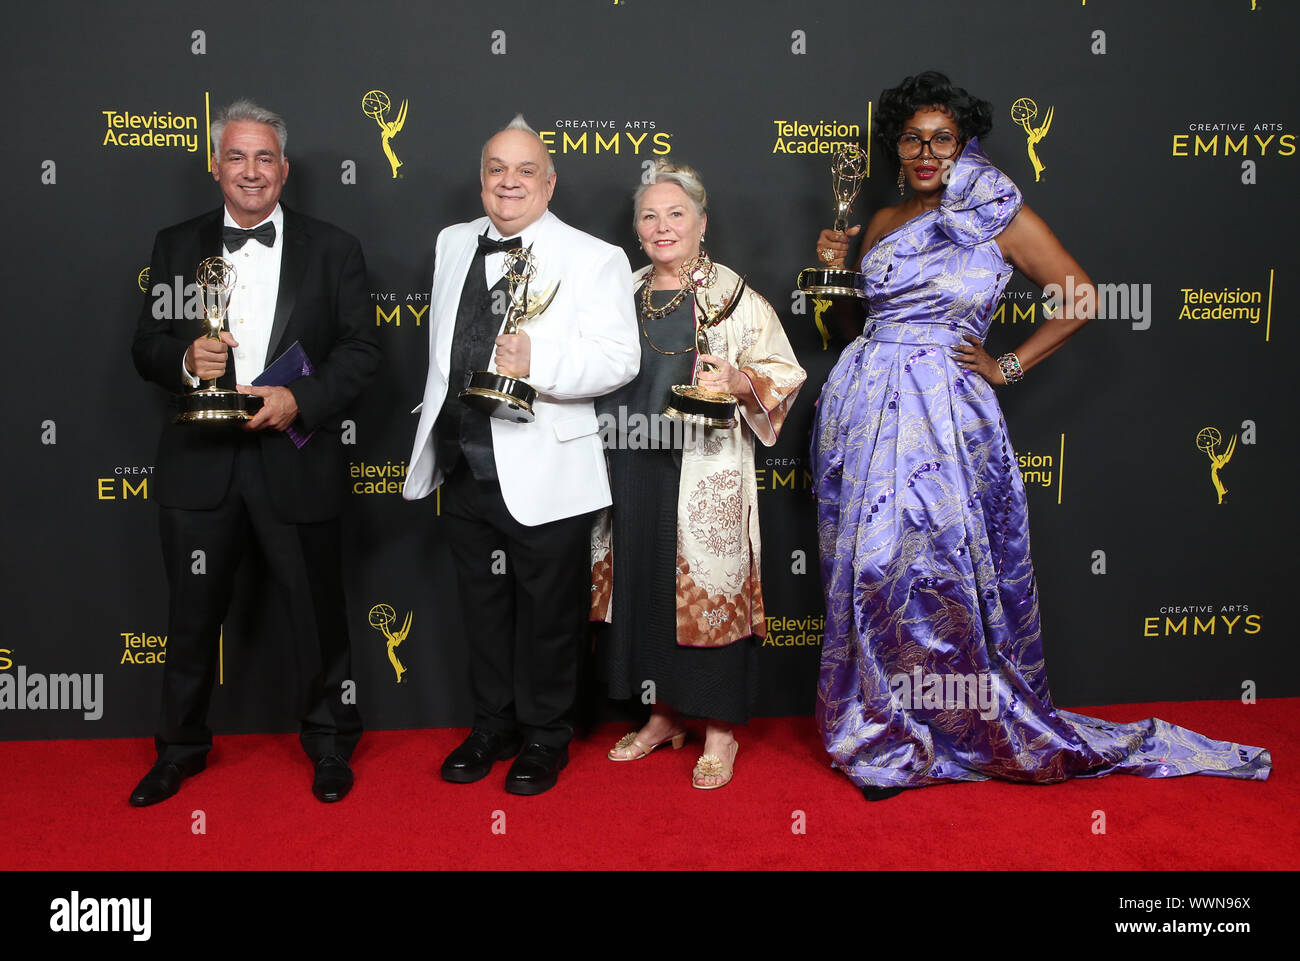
(64, 807)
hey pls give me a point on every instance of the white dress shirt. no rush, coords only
(252, 302)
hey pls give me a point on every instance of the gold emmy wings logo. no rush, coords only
(1208, 440)
(820, 305)
(382, 618)
(376, 105)
(1023, 112)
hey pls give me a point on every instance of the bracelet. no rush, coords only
(1010, 367)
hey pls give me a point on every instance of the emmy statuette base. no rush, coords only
(212, 405)
(831, 282)
(499, 396)
(703, 408)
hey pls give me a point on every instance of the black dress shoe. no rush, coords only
(473, 760)
(536, 769)
(872, 793)
(162, 781)
(333, 779)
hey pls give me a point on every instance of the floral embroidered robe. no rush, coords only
(719, 593)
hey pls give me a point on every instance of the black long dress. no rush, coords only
(640, 643)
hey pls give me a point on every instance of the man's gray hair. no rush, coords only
(519, 123)
(683, 176)
(247, 110)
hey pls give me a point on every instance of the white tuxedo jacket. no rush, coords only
(584, 345)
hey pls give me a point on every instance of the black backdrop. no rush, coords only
(1166, 173)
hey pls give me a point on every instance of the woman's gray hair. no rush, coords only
(247, 110)
(683, 176)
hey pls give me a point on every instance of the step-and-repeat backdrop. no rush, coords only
(1158, 140)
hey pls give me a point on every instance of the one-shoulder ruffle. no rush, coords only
(979, 201)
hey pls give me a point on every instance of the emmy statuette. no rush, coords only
(691, 402)
(510, 398)
(848, 170)
(211, 404)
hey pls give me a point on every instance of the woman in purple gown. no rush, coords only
(932, 665)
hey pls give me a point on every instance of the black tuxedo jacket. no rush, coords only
(323, 302)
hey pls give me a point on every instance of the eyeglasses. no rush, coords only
(942, 146)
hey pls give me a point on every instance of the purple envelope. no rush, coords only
(289, 366)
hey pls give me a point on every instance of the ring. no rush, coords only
(827, 254)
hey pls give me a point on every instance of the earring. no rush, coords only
(900, 181)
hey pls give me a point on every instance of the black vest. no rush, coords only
(459, 430)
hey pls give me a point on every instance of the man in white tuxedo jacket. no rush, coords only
(522, 492)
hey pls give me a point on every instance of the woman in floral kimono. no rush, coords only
(676, 561)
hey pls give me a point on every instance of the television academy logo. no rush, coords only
(376, 105)
(157, 129)
(141, 648)
(819, 136)
(1252, 304)
(795, 631)
(163, 129)
(377, 478)
(1043, 470)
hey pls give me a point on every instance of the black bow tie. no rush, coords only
(488, 246)
(236, 237)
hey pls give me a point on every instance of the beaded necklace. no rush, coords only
(647, 311)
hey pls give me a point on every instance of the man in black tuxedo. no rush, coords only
(220, 487)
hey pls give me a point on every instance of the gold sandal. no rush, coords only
(629, 740)
(710, 765)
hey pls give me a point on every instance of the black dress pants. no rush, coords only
(525, 595)
(305, 564)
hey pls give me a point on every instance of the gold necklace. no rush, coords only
(647, 311)
(659, 313)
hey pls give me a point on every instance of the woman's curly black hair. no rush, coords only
(930, 89)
